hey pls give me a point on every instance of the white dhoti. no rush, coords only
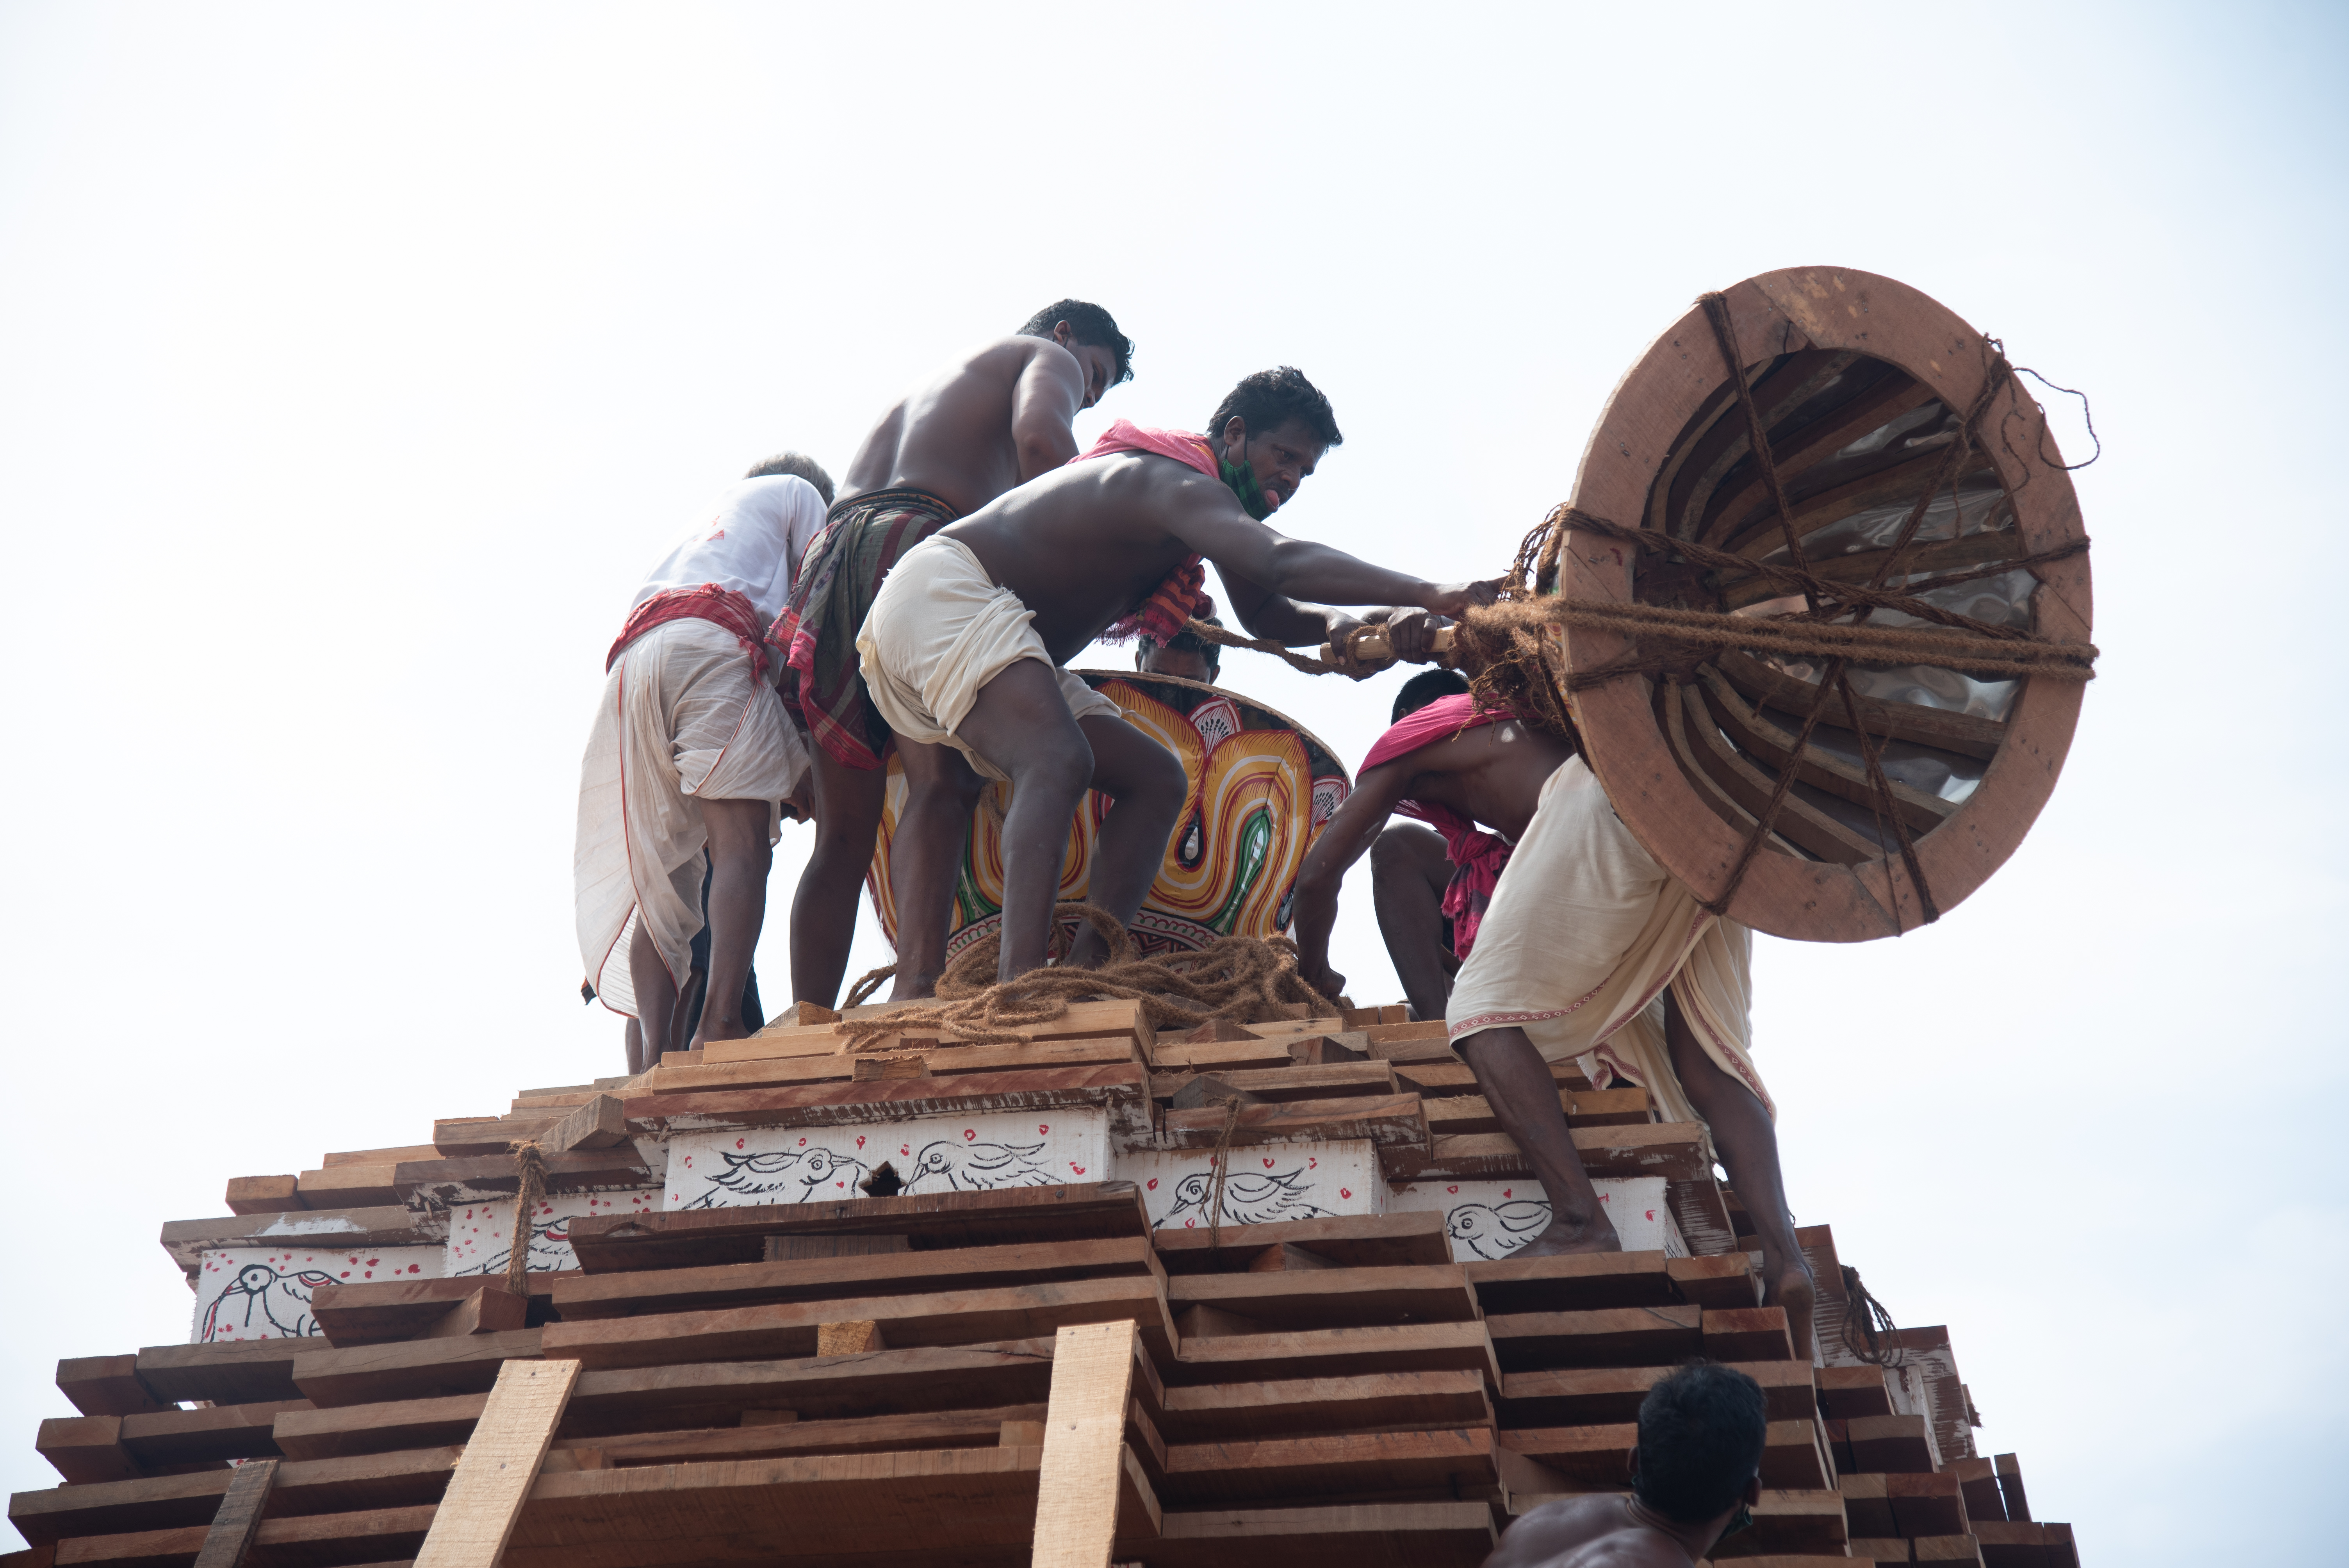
(939, 630)
(682, 720)
(1583, 935)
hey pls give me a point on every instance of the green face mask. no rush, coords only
(1242, 478)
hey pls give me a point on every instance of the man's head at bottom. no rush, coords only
(1701, 1431)
(1187, 657)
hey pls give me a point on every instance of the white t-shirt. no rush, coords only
(751, 545)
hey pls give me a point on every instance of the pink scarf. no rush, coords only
(1477, 857)
(1183, 595)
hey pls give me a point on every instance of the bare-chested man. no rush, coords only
(1696, 1474)
(1573, 947)
(1001, 416)
(966, 644)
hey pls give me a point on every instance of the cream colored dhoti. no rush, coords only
(1583, 935)
(940, 630)
(682, 720)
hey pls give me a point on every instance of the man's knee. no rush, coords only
(1062, 764)
(1159, 779)
(1390, 851)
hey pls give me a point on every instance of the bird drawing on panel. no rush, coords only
(788, 1176)
(977, 1167)
(1496, 1230)
(550, 1248)
(1248, 1199)
(261, 1301)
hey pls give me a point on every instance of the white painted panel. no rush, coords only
(1494, 1219)
(935, 1154)
(1267, 1182)
(481, 1235)
(262, 1292)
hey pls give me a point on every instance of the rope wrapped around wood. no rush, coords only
(530, 1169)
(1229, 978)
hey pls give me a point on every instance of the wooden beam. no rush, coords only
(1084, 1442)
(493, 1479)
(263, 1194)
(600, 1123)
(232, 1528)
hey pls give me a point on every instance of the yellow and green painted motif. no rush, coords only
(1261, 789)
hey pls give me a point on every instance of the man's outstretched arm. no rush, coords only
(1044, 405)
(1210, 522)
(1345, 841)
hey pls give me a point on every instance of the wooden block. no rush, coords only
(1122, 1089)
(104, 1386)
(1603, 1395)
(487, 1178)
(378, 1428)
(227, 1372)
(852, 1338)
(1890, 1443)
(239, 1519)
(1600, 1455)
(1336, 1353)
(1945, 1549)
(1448, 1075)
(191, 1500)
(485, 1496)
(370, 1374)
(334, 1230)
(378, 1157)
(1610, 1337)
(868, 1434)
(872, 1069)
(1848, 1391)
(208, 1435)
(1324, 1050)
(1349, 1241)
(1021, 1435)
(1386, 1120)
(1227, 1412)
(1332, 1298)
(1907, 1505)
(1878, 1549)
(1573, 1281)
(835, 1066)
(1364, 1464)
(789, 1329)
(601, 1124)
(348, 1187)
(1083, 1020)
(879, 1270)
(1424, 1534)
(1719, 1282)
(462, 1135)
(1748, 1334)
(85, 1449)
(490, 1308)
(263, 1194)
(1084, 1436)
(2010, 1485)
(690, 1238)
(1290, 1083)
(310, 1538)
(769, 1418)
(1222, 1056)
(378, 1310)
(1672, 1149)
(890, 1382)
(807, 1014)
(1452, 1115)
(1286, 1258)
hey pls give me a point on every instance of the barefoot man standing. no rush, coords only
(1583, 947)
(965, 646)
(1001, 416)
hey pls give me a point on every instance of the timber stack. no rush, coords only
(1240, 1296)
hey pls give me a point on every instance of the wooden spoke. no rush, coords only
(1704, 751)
(1966, 733)
(1764, 740)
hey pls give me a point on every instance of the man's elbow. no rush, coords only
(1043, 451)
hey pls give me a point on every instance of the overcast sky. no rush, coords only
(356, 363)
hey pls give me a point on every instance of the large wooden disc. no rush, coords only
(1261, 789)
(1861, 382)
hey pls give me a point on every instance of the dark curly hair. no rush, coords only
(1269, 399)
(1700, 1435)
(1088, 324)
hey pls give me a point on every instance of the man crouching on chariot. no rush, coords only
(1586, 949)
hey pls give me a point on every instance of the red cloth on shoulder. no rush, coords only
(721, 607)
(1184, 593)
(1477, 857)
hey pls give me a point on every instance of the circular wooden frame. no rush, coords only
(1679, 390)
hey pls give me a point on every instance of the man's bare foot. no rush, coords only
(1597, 1236)
(913, 988)
(717, 1029)
(1793, 1288)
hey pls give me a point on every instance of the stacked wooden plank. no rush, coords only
(898, 1347)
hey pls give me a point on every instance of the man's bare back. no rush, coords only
(1084, 546)
(996, 418)
(1597, 1532)
(1492, 775)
